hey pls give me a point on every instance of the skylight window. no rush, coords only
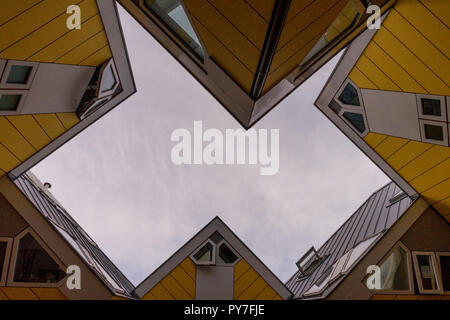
(309, 261)
(426, 272)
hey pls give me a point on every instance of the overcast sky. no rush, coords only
(117, 180)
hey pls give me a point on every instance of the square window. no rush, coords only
(444, 262)
(9, 102)
(434, 132)
(431, 107)
(19, 74)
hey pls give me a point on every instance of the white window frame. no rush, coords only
(18, 86)
(205, 263)
(444, 126)
(229, 247)
(105, 67)
(443, 116)
(22, 100)
(410, 272)
(12, 265)
(438, 258)
(436, 272)
(9, 242)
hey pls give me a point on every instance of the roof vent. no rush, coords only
(47, 185)
(309, 261)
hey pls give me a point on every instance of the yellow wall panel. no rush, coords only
(185, 281)
(253, 290)
(407, 153)
(2, 295)
(425, 161)
(11, 9)
(68, 119)
(267, 294)
(19, 293)
(48, 33)
(49, 293)
(224, 32)
(149, 296)
(50, 123)
(426, 23)
(374, 139)
(438, 193)
(360, 79)
(161, 293)
(240, 268)
(244, 282)
(439, 8)
(432, 177)
(174, 288)
(419, 45)
(30, 130)
(264, 8)
(7, 160)
(409, 62)
(376, 74)
(98, 57)
(244, 18)
(389, 146)
(189, 267)
(443, 207)
(14, 141)
(398, 75)
(69, 41)
(234, 67)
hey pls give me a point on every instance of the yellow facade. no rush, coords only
(16, 293)
(409, 53)
(35, 30)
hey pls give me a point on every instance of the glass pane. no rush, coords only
(108, 79)
(426, 272)
(431, 107)
(2, 256)
(205, 254)
(345, 20)
(394, 271)
(9, 102)
(349, 95)
(356, 119)
(171, 12)
(226, 255)
(445, 269)
(19, 74)
(34, 264)
(434, 132)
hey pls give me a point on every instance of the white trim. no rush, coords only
(444, 127)
(4, 274)
(12, 265)
(103, 69)
(442, 117)
(205, 263)
(23, 98)
(2, 66)
(18, 86)
(438, 256)
(435, 271)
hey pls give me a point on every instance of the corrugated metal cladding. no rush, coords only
(377, 214)
(75, 235)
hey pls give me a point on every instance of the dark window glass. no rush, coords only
(324, 276)
(431, 107)
(445, 269)
(349, 95)
(434, 132)
(9, 102)
(34, 264)
(394, 272)
(426, 272)
(226, 255)
(19, 74)
(2, 256)
(356, 119)
(205, 254)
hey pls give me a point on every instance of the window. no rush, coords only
(33, 264)
(431, 107)
(349, 95)
(226, 255)
(433, 132)
(356, 120)
(172, 14)
(321, 283)
(206, 254)
(9, 102)
(309, 261)
(5, 249)
(19, 74)
(108, 79)
(425, 267)
(394, 271)
(444, 267)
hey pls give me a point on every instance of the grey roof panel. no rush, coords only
(57, 215)
(377, 214)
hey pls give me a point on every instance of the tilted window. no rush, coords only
(349, 95)
(215, 251)
(426, 269)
